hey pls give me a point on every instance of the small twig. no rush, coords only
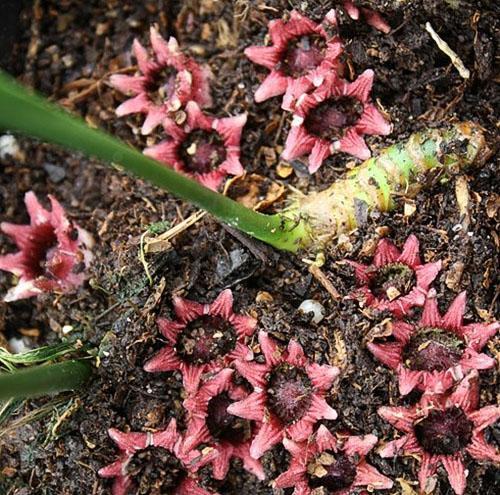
(445, 48)
(316, 272)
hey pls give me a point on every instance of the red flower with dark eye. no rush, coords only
(437, 352)
(337, 465)
(168, 80)
(372, 17)
(53, 252)
(288, 396)
(211, 424)
(205, 337)
(440, 429)
(205, 148)
(334, 118)
(396, 280)
(301, 54)
(157, 458)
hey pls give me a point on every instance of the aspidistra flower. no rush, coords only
(372, 17)
(167, 81)
(288, 396)
(439, 350)
(204, 148)
(336, 464)
(441, 429)
(396, 280)
(209, 423)
(53, 251)
(177, 464)
(334, 117)
(204, 337)
(301, 54)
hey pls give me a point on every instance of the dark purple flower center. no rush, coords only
(155, 471)
(202, 151)
(433, 349)
(331, 117)
(392, 280)
(162, 85)
(289, 393)
(40, 252)
(303, 55)
(331, 471)
(444, 432)
(206, 338)
(225, 426)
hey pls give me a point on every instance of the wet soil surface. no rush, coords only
(67, 50)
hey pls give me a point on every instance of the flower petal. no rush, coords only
(322, 376)
(267, 437)
(454, 316)
(401, 418)
(389, 353)
(426, 274)
(455, 468)
(367, 475)
(267, 56)
(480, 450)
(372, 122)
(269, 348)
(253, 407)
(353, 144)
(128, 442)
(274, 84)
(359, 445)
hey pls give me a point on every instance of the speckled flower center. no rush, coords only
(331, 117)
(303, 55)
(202, 151)
(444, 432)
(155, 471)
(225, 426)
(289, 393)
(392, 280)
(161, 85)
(433, 349)
(331, 471)
(206, 338)
(40, 255)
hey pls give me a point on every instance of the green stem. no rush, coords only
(25, 112)
(42, 380)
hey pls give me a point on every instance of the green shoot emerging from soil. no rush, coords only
(310, 220)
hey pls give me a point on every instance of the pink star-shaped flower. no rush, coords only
(334, 117)
(205, 337)
(339, 465)
(301, 54)
(440, 428)
(288, 396)
(209, 423)
(372, 17)
(168, 80)
(204, 148)
(438, 351)
(129, 444)
(396, 280)
(53, 251)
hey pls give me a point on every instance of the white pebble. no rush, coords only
(8, 146)
(312, 306)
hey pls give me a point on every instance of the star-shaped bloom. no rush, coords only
(167, 80)
(372, 17)
(301, 54)
(204, 337)
(439, 350)
(338, 465)
(440, 429)
(288, 396)
(334, 117)
(204, 148)
(210, 424)
(180, 468)
(396, 280)
(53, 251)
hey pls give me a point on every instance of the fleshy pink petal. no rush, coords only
(220, 465)
(361, 87)
(410, 252)
(253, 407)
(353, 144)
(129, 85)
(484, 417)
(269, 348)
(319, 152)
(232, 165)
(187, 310)
(165, 152)
(400, 417)
(170, 329)
(267, 437)
(244, 325)
(267, 56)
(166, 438)
(478, 334)
(154, 118)
(298, 143)
(360, 272)
(196, 119)
(351, 9)
(290, 478)
(428, 468)
(319, 409)
(454, 466)
(230, 128)
(402, 331)
(255, 373)
(295, 355)
(325, 440)
(322, 376)
(430, 314)
(359, 445)
(128, 442)
(115, 469)
(466, 394)
(191, 376)
(472, 359)
(146, 66)
(211, 180)
(252, 465)
(121, 485)
(427, 273)
(274, 84)
(385, 253)
(165, 360)
(407, 444)
(408, 379)
(389, 353)
(367, 475)
(375, 20)
(223, 305)
(137, 104)
(454, 316)
(479, 449)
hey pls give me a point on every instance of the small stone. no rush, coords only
(55, 172)
(314, 307)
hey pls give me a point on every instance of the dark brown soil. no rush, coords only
(67, 49)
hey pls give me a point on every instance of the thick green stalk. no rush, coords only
(46, 379)
(25, 112)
